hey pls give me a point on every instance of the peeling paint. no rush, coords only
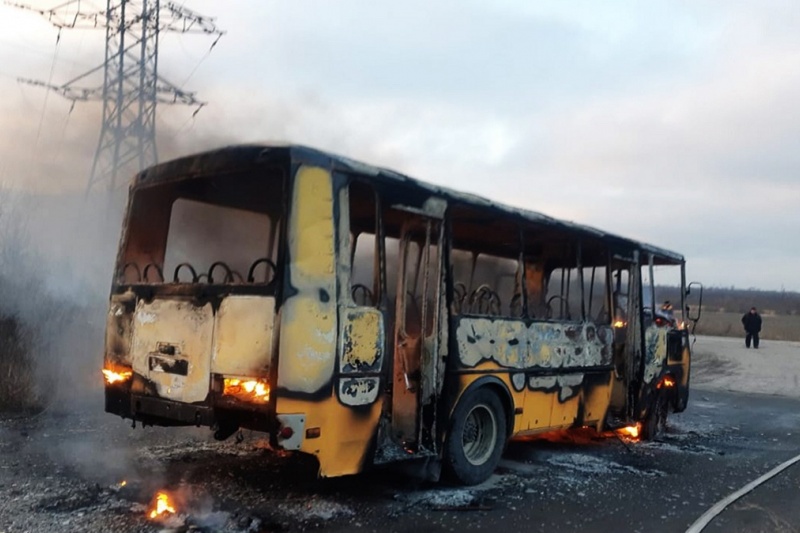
(146, 318)
(184, 325)
(362, 340)
(542, 344)
(655, 339)
(567, 385)
(518, 380)
(358, 391)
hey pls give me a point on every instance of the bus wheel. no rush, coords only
(476, 438)
(656, 419)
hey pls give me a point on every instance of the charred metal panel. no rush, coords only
(567, 385)
(655, 355)
(541, 345)
(308, 317)
(434, 207)
(504, 341)
(362, 340)
(243, 335)
(119, 327)
(187, 329)
(357, 391)
(569, 345)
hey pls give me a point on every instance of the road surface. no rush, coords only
(63, 471)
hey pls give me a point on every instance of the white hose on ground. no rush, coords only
(720, 506)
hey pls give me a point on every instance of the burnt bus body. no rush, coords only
(364, 317)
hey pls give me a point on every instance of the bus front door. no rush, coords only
(418, 371)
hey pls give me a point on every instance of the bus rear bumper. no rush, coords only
(155, 411)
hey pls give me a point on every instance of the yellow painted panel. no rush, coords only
(345, 435)
(243, 336)
(564, 413)
(311, 226)
(308, 320)
(537, 410)
(596, 401)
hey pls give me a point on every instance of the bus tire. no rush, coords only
(656, 419)
(476, 438)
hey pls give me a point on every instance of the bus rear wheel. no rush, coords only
(476, 438)
(656, 420)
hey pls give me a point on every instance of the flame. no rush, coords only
(123, 483)
(253, 389)
(619, 324)
(668, 382)
(162, 505)
(630, 431)
(116, 377)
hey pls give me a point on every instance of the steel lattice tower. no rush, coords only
(132, 87)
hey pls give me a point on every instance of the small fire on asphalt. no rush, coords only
(162, 506)
(630, 432)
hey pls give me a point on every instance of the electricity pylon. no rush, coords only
(131, 87)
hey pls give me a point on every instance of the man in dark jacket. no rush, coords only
(752, 326)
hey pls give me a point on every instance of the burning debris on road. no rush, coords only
(162, 506)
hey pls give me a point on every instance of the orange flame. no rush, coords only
(630, 431)
(116, 377)
(162, 505)
(619, 324)
(246, 390)
(667, 382)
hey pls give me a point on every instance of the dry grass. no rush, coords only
(775, 327)
(17, 371)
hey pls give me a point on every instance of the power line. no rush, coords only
(132, 87)
(49, 81)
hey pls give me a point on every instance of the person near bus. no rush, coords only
(752, 327)
(665, 315)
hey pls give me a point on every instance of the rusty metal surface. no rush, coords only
(244, 157)
(188, 329)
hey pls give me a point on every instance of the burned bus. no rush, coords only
(365, 317)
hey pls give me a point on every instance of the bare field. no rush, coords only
(775, 327)
(720, 363)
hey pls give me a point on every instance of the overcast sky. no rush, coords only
(675, 123)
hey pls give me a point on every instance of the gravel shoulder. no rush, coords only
(724, 363)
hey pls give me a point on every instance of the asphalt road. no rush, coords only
(63, 472)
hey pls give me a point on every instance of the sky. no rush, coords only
(671, 122)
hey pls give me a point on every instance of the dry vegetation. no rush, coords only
(723, 309)
(36, 328)
(724, 324)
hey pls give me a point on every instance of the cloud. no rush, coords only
(674, 122)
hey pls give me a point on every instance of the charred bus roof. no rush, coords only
(249, 157)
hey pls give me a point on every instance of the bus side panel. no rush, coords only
(655, 339)
(339, 435)
(345, 434)
(307, 345)
(561, 374)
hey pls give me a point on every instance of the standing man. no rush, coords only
(752, 326)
